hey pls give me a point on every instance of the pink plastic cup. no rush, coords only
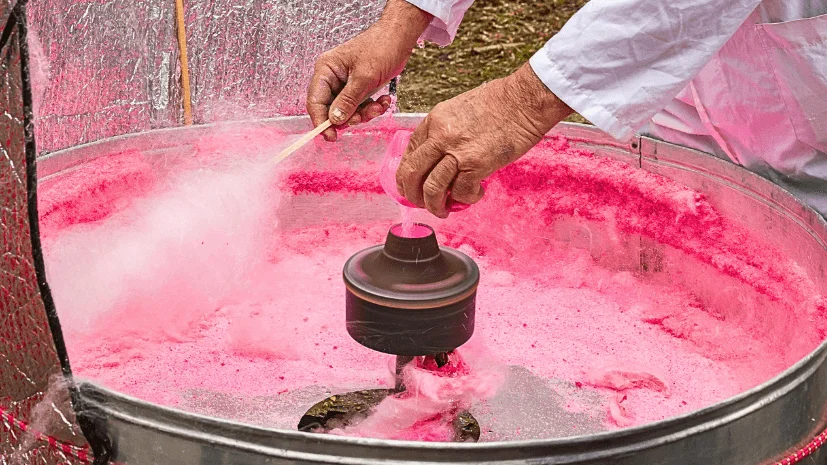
(390, 163)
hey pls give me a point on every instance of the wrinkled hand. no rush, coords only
(466, 139)
(346, 76)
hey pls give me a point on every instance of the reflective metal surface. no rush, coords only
(33, 397)
(753, 428)
(105, 68)
(6, 6)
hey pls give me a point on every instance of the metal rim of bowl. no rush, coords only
(596, 446)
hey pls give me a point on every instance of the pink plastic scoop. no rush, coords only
(390, 163)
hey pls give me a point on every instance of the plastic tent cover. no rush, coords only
(76, 71)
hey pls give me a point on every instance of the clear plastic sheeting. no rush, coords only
(32, 415)
(108, 68)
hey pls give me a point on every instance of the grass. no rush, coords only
(495, 39)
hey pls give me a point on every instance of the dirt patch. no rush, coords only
(495, 39)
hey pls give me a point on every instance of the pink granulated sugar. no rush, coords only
(320, 182)
(113, 184)
(412, 230)
(557, 295)
(407, 226)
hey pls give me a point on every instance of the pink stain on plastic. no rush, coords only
(390, 164)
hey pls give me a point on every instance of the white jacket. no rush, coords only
(743, 79)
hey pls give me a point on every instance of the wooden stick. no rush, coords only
(320, 129)
(299, 143)
(185, 70)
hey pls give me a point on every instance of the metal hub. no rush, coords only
(348, 409)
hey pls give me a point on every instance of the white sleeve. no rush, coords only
(447, 17)
(619, 62)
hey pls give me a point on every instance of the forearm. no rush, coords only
(404, 21)
(540, 105)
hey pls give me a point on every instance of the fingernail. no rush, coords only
(337, 114)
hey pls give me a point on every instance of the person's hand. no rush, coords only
(346, 76)
(467, 138)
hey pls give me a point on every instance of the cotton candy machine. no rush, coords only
(637, 304)
(413, 299)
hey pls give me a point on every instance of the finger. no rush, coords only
(467, 189)
(415, 140)
(372, 110)
(418, 136)
(414, 170)
(329, 135)
(386, 101)
(404, 175)
(365, 112)
(323, 86)
(437, 185)
(355, 119)
(349, 99)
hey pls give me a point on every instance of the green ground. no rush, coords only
(495, 38)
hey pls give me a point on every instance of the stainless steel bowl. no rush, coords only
(753, 428)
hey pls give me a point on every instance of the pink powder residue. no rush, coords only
(114, 184)
(410, 229)
(617, 411)
(320, 182)
(407, 225)
(624, 380)
(200, 294)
